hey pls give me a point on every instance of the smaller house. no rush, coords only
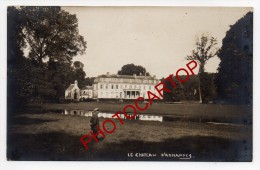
(87, 93)
(73, 92)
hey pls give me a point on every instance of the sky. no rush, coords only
(157, 38)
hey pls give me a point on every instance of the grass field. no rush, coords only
(46, 135)
(207, 112)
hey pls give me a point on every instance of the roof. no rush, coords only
(87, 88)
(70, 87)
(126, 76)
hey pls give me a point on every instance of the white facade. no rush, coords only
(123, 86)
(87, 92)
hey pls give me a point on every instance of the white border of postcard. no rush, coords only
(130, 165)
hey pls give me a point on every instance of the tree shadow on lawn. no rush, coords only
(30, 121)
(61, 146)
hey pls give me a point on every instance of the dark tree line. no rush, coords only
(189, 91)
(235, 73)
(183, 91)
(51, 38)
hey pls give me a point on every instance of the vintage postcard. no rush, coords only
(130, 83)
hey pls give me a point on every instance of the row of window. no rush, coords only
(116, 86)
(86, 92)
(128, 80)
(131, 94)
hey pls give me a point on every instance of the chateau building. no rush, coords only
(114, 87)
(123, 86)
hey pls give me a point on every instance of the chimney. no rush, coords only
(107, 73)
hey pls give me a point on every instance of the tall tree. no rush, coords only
(89, 81)
(50, 36)
(79, 74)
(130, 69)
(17, 68)
(51, 33)
(205, 49)
(15, 37)
(235, 73)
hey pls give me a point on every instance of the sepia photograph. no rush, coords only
(130, 83)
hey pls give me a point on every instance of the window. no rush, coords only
(144, 87)
(112, 86)
(149, 87)
(101, 86)
(106, 86)
(116, 86)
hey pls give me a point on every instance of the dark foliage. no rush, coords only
(235, 73)
(50, 36)
(130, 69)
(17, 87)
(189, 91)
(89, 81)
(183, 91)
(208, 87)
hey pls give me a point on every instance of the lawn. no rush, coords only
(206, 112)
(51, 136)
